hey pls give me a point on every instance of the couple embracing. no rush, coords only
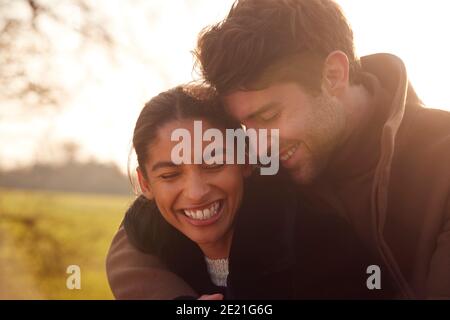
(360, 207)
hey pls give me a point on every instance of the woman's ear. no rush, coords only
(336, 73)
(144, 184)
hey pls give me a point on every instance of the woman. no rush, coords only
(222, 230)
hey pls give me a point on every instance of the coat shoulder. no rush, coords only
(424, 138)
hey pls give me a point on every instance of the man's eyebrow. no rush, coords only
(163, 164)
(261, 110)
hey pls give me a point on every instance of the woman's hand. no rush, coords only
(216, 296)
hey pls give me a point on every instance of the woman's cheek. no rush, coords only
(165, 189)
(231, 177)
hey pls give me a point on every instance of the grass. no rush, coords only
(42, 233)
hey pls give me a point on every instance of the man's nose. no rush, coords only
(196, 187)
(263, 139)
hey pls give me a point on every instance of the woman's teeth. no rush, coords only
(288, 154)
(204, 214)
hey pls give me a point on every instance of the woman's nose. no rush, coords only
(196, 187)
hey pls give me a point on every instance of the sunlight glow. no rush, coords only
(102, 113)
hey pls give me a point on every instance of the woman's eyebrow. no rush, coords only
(221, 151)
(163, 164)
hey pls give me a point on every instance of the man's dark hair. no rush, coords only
(265, 41)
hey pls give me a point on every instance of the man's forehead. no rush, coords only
(244, 104)
(241, 104)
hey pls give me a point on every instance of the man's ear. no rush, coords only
(144, 184)
(336, 73)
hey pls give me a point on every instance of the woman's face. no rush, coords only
(199, 200)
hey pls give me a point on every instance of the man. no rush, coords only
(354, 135)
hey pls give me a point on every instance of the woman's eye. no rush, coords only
(214, 166)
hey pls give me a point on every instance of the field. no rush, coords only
(42, 233)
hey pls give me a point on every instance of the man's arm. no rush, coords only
(136, 275)
(439, 276)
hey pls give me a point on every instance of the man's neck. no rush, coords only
(358, 108)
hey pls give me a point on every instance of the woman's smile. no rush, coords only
(204, 215)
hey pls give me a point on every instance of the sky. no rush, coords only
(155, 39)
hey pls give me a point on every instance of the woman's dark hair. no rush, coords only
(182, 102)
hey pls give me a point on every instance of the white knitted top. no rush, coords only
(218, 271)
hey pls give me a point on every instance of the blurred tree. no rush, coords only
(70, 151)
(26, 45)
(58, 53)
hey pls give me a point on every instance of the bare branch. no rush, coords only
(23, 41)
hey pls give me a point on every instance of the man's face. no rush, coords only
(311, 127)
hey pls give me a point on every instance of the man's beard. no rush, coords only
(327, 127)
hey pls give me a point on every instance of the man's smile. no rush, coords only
(287, 153)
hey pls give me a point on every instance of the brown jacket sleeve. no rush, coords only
(439, 276)
(136, 275)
